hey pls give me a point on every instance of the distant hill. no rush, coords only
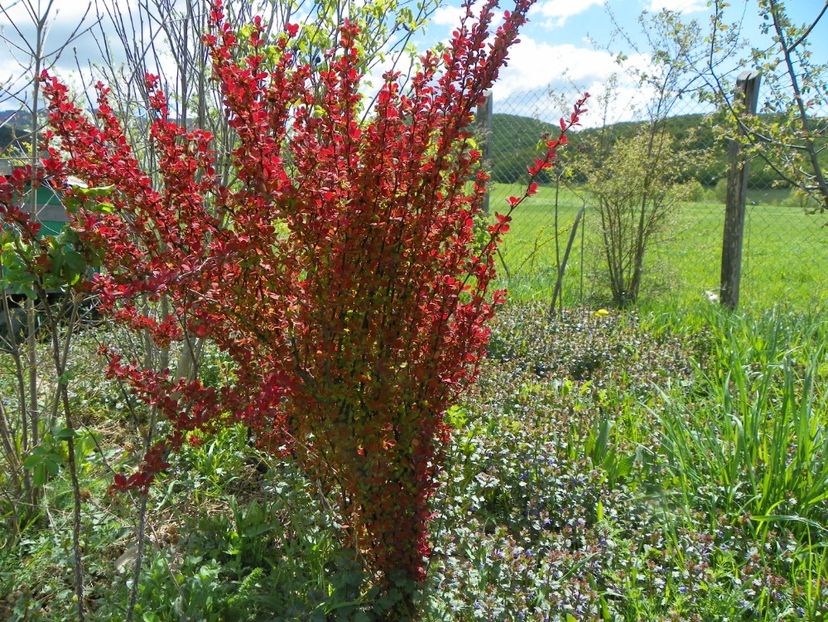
(13, 124)
(17, 118)
(5, 137)
(514, 142)
(513, 146)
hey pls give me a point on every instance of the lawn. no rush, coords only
(785, 252)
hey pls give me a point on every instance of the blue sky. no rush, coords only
(560, 49)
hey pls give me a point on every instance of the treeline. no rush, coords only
(514, 144)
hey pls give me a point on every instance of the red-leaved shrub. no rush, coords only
(341, 269)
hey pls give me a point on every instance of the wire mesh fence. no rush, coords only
(785, 244)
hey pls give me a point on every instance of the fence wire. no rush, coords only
(785, 247)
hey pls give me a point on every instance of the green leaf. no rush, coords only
(64, 434)
(43, 462)
(98, 191)
(788, 518)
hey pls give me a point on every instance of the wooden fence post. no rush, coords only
(483, 121)
(747, 95)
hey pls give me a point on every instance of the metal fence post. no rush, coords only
(483, 122)
(747, 95)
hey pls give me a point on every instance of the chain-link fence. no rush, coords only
(785, 244)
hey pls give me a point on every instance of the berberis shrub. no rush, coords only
(341, 269)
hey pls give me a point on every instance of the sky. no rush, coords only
(572, 45)
(568, 46)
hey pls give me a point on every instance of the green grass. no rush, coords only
(668, 467)
(785, 252)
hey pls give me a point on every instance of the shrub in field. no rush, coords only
(340, 269)
(636, 189)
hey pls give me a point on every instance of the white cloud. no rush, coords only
(85, 49)
(537, 69)
(18, 12)
(558, 12)
(448, 15)
(71, 36)
(679, 6)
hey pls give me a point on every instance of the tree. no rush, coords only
(790, 136)
(34, 270)
(338, 267)
(636, 188)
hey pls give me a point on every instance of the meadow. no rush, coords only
(785, 251)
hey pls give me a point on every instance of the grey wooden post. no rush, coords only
(483, 122)
(747, 95)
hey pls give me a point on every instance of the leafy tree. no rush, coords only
(636, 188)
(636, 173)
(790, 136)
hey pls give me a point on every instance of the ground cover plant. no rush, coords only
(605, 466)
(597, 485)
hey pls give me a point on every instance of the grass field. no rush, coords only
(785, 253)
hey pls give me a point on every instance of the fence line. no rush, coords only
(784, 256)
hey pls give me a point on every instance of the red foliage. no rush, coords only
(339, 269)
(13, 187)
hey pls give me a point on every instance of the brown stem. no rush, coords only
(59, 358)
(139, 556)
